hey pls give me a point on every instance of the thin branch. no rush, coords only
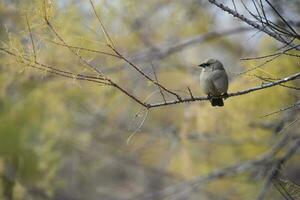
(233, 2)
(98, 71)
(263, 10)
(281, 190)
(283, 159)
(184, 100)
(290, 87)
(257, 88)
(258, 12)
(53, 70)
(260, 65)
(83, 48)
(282, 110)
(112, 46)
(181, 189)
(268, 183)
(274, 54)
(18, 57)
(107, 37)
(45, 10)
(31, 38)
(145, 75)
(160, 90)
(190, 92)
(275, 169)
(282, 18)
(249, 22)
(268, 24)
(129, 94)
(67, 74)
(269, 79)
(290, 152)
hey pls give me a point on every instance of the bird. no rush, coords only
(214, 81)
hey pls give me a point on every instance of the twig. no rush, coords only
(289, 153)
(267, 23)
(282, 190)
(82, 48)
(249, 22)
(107, 37)
(282, 18)
(49, 68)
(260, 65)
(111, 45)
(271, 55)
(269, 79)
(184, 100)
(266, 159)
(268, 182)
(257, 10)
(282, 110)
(31, 38)
(160, 90)
(261, 87)
(98, 71)
(190, 92)
(273, 175)
(234, 5)
(144, 75)
(53, 70)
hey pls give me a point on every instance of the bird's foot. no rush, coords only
(225, 95)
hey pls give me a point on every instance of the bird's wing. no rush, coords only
(220, 81)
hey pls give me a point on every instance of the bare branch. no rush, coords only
(282, 110)
(269, 79)
(94, 68)
(190, 92)
(268, 183)
(83, 49)
(274, 54)
(183, 188)
(53, 70)
(274, 35)
(160, 90)
(273, 173)
(143, 74)
(261, 87)
(233, 2)
(107, 37)
(31, 38)
(282, 18)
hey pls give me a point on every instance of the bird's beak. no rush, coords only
(203, 65)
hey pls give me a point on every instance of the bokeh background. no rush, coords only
(65, 139)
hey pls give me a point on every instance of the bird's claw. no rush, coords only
(225, 95)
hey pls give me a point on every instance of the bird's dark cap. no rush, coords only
(203, 65)
(209, 62)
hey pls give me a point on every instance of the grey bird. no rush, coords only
(214, 81)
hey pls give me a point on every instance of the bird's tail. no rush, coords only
(217, 102)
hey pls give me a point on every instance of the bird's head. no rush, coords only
(212, 63)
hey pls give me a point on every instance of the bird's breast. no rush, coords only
(214, 82)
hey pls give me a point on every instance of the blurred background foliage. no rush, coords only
(65, 139)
